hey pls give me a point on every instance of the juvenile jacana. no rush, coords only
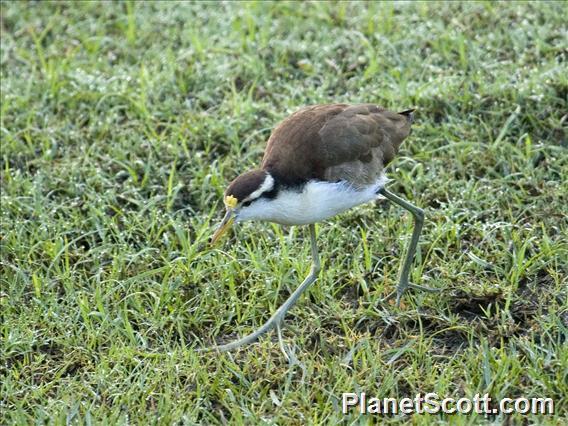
(319, 162)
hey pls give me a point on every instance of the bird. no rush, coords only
(319, 162)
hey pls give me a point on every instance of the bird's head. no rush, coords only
(244, 199)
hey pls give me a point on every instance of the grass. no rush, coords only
(122, 123)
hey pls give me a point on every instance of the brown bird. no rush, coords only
(319, 162)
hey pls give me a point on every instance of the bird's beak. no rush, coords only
(225, 225)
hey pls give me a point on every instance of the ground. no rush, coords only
(122, 123)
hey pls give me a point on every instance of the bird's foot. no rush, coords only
(403, 287)
(289, 352)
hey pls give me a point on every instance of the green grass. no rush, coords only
(122, 123)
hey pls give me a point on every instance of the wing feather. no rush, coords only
(317, 138)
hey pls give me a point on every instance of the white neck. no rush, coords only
(317, 201)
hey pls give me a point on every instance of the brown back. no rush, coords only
(316, 138)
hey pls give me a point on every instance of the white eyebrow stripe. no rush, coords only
(267, 185)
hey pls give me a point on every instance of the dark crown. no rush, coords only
(246, 184)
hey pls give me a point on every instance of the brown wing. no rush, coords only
(315, 139)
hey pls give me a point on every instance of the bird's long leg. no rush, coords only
(280, 313)
(418, 214)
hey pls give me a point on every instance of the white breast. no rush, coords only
(318, 201)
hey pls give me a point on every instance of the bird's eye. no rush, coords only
(247, 203)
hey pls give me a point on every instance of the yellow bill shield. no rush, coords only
(231, 202)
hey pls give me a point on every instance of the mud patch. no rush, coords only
(470, 306)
